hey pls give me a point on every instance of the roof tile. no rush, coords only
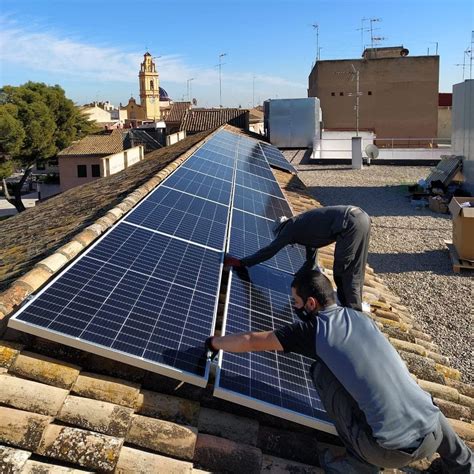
(103, 143)
(140, 462)
(224, 455)
(226, 425)
(107, 389)
(163, 437)
(53, 263)
(31, 396)
(90, 450)
(8, 352)
(103, 417)
(440, 391)
(463, 429)
(168, 407)
(71, 249)
(22, 429)
(453, 410)
(12, 460)
(275, 465)
(36, 467)
(45, 369)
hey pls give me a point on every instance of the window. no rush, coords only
(370, 92)
(333, 94)
(341, 93)
(81, 171)
(152, 85)
(95, 171)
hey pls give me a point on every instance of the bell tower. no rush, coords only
(149, 89)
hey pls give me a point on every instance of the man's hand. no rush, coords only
(210, 347)
(230, 261)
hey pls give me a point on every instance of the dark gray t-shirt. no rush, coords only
(370, 369)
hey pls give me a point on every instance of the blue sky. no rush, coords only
(93, 48)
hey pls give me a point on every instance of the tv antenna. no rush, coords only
(316, 27)
(220, 77)
(362, 29)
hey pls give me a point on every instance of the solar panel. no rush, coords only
(207, 187)
(263, 172)
(182, 215)
(252, 181)
(261, 204)
(201, 165)
(272, 382)
(275, 158)
(249, 233)
(136, 296)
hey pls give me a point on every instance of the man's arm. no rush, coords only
(247, 342)
(269, 251)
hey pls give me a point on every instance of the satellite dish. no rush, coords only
(404, 52)
(372, 152)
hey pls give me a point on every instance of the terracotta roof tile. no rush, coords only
(13, 460)
(102, 144)
(177, 112)
(197, 120)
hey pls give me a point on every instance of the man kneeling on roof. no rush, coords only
(381, 414)
(348, 226)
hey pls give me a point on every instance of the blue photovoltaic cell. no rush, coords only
(256, 182)
(262, 171)
(210, 168)
(207, 187)
(124, 296)
(184, 216)
(261, 204)
(215, 157)
(250, 233)
(261, 302)
(275, 157)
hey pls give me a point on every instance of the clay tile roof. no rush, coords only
(177, 112)
(61, 406)
(197, 120)
(102, 143)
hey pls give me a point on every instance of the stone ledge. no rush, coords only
(31, 396)
(90, 450)
(46, 370)
(95, 415)
(141, 462)
(223, 455)
(107, 389)
(163, 437)
(225, 425)
(21, 428)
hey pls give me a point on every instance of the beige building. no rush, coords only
(95, 156)
(398, 93)
(96, 113)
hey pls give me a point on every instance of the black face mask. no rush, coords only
(302, 314)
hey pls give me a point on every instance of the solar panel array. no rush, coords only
(146, 293)
(273, 382)
(275, 158)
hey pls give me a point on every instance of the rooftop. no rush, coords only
(62, 408)
(101, 143)
(197, 120)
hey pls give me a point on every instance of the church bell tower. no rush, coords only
(149, 88)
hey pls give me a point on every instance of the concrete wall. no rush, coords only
(108, 165)
(399, 95)
(463, 128)
(175, 137)
(97, 113)
(444, 123)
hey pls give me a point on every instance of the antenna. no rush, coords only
(316, 27)
(188, 88)
(253, 90)
(220, 77)
(362, 29)
(372, 39)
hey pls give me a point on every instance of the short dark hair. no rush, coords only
(314, 283)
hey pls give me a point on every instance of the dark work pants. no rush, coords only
(364, 454)
(350, 258)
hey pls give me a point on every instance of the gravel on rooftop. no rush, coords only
(407, 250)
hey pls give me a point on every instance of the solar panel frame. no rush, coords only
(252, 402)
(121, 356)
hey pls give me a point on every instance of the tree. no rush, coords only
(36, 121)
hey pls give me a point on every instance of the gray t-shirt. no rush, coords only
(370, 369)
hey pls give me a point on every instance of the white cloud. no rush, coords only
(48, 51)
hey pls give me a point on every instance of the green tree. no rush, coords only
(36, 121)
